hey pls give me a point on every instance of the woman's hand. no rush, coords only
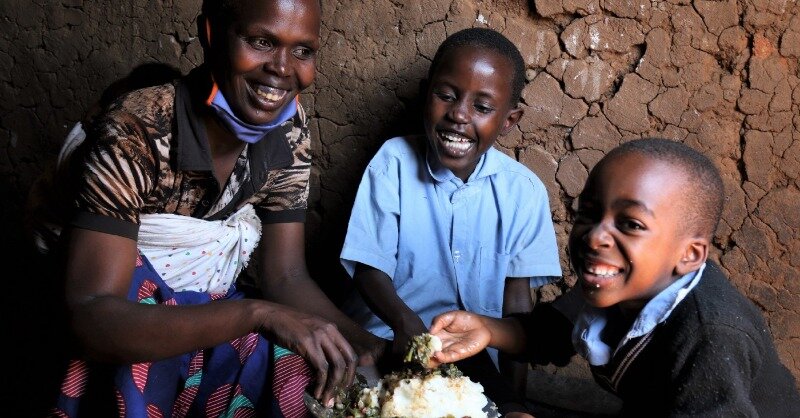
(463, 335)
(319, 342)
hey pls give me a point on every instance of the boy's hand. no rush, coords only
(374, 353)
(463, 335)
(402, 339)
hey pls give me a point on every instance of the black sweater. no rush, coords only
(713, 356)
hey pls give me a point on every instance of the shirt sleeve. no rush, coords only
(373, 230)
(533, 239)
(548, 335)
(713, 373)
(118, 172)
(287, 199)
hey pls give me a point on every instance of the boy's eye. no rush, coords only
(584, 215)
(444, 96)
(303, 53)
(631, 225)
(483, 108)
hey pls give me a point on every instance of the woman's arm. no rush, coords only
(109, 327)
(285, 279)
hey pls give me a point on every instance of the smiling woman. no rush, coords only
(261, 65)
(175, 187)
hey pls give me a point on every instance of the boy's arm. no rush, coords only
(516, 299)
(465, 334)
(378, 292)
(714, 373)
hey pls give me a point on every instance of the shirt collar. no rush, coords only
(193, 153)
(489, 164)
(591, 321)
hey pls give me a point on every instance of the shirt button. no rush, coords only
(456, 255)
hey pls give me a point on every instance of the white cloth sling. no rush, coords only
(196, 254)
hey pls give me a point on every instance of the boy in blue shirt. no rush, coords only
(444, 221)
(660, 325)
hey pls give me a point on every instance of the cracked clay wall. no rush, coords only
(722, 76)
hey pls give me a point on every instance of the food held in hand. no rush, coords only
(421, 349)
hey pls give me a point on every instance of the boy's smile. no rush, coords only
(468, 105)
(628, 242)
(267, 56)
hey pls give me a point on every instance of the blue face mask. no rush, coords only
(243, 130)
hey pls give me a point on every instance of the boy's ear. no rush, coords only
(423, 88)
(513, 117)
(694, 255)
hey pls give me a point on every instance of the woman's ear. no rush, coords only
(694, 255)
(204, 30)
(513, 117)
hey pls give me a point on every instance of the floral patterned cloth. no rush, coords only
(230, 380)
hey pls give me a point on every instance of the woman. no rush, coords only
(174, 186)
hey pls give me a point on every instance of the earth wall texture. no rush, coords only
(722, 76)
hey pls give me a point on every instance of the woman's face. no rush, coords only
(265, 55)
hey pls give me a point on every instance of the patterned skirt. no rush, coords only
(246, 377)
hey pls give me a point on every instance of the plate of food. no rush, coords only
(416, 391)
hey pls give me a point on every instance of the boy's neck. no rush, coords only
(618, 324)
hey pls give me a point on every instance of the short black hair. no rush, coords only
(219, 8)
(491, 40)
(704, 209)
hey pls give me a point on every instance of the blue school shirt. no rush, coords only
(444, 243)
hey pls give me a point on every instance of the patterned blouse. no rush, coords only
(149, 153)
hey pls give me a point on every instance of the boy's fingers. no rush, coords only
(441, 322)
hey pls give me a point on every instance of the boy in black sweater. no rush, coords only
(660, 325)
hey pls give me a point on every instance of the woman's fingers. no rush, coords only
(334, 361)
(319, 342)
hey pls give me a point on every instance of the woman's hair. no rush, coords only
(224, 8)
(486, 39)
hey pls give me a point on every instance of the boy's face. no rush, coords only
(628, 242)
(467, 106)
(266, 56)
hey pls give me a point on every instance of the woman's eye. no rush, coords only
(303, 53)
(260, 43)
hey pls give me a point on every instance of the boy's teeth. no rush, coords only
(606, 271)
(458, 146)
(449, 136)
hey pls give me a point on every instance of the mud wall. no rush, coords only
(721, 76)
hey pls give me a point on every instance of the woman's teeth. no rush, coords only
(271, 94)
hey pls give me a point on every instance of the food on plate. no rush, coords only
(428, 393)
(417, 391)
